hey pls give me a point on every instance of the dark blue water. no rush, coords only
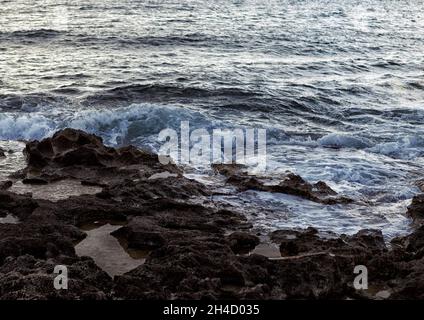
(316, 74)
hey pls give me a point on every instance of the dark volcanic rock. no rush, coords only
(293, 243)
(20, 206)
(2, 153)
(4, 185)
(242, 242)
(416, 209)
(412, 243)
(73, 153)
(68, 147)
(165, 221)
(26, 277)
(207, 268)
(196, 249)
(197, 268)
(38, 181)
(398, 272)
(290, 184)
(39, 235)
(31, 249)
(420, 184)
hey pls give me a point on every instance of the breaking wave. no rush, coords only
(134, 124)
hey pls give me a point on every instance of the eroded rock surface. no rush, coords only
(75, 154)
(4, 185)
(294, 242)
(197, 250)
(289, 184)
(416, 209)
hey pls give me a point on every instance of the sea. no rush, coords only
(338, 85)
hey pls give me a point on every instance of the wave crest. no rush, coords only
(136, 124)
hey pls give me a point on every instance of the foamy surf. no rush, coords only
(381, 176)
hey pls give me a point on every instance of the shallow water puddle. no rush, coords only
(163, 175)
(13, 160)
(55, 191)
(10, 219)
(269, 250)
(107, 252)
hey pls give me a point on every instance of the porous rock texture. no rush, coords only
(198, 250)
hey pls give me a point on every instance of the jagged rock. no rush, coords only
(19, 206)
(195, 248)
(229, 170)
(290, 184)
(74, 153)
(29, 278)
(413, 242)
(189, 268)
(163, 222)
(416, 209)
(420, 184)
(241, 242)
(4, 185)
(2, 153)
(293, 242)
(37, 181)
(39, 235)
(409, 282)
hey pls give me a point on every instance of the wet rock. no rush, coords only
(229, 170)
(29, 278)
(420, 184)
(19, 206)
(194, 246)
(393, 271)
(409, 282)
(40, 236)
(2, 153)
(412, 243)
(93, 183)
(147, 189)
(416, 209)
(242, 242)
(197, 268)
(290, 184)
(298, 242)
(164, 221)
(73, 153)
(4, 185)
(37, 181)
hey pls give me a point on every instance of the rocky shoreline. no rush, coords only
(196, 249)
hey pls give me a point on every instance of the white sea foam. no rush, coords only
(335, 140)
(352, 165)
(117, 126)
(409, 147)
(275, 211)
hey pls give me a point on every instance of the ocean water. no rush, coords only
(339, 86)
